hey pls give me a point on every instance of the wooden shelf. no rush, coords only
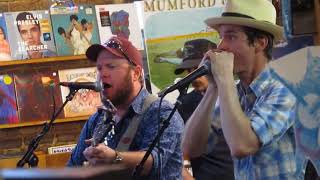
(55, 63)
(42, 60)
(35, 123)
(58, 62)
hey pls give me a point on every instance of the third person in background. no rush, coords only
(215, 162)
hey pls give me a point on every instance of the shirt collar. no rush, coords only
(259, 84)
(137, 104)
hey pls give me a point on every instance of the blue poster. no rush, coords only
(300, 72)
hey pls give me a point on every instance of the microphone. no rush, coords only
(83, 85)
(184, 82)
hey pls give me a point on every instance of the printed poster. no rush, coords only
(119, 20)
(35, 91)
(167, 27)
(8, 104)
(300, 72)
(75, 29)
(5, 52)
(85, 101)
(30, 34)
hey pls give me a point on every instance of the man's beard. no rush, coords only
(124, 92)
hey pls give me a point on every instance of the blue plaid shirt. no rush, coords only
(170, 143)
(270, 107)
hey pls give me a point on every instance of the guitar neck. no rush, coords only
(104, 125)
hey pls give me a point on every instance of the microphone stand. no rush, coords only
(29, 157)
(165, 123)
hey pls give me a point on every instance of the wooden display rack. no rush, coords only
(59, 62)
(45, 160)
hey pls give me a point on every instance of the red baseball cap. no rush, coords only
(127, 48)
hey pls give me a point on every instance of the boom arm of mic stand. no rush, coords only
(29, 157)
(165, 123)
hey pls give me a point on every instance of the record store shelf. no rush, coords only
(55, 63)
(58, 62)
(41, 122)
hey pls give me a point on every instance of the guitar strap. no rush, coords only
(128, 136)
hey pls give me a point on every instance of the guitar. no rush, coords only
(106, 122)
(105, 125)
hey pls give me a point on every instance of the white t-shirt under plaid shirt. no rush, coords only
(270, 106)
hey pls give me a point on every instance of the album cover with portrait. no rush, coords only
(85, 102)
(119, 20)
(8, 105)
(30, 34)
(5, 53)
(35, 89)
(75, 28)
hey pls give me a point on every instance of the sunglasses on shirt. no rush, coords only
(117, 46)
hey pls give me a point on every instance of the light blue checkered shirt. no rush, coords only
(270, 107)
